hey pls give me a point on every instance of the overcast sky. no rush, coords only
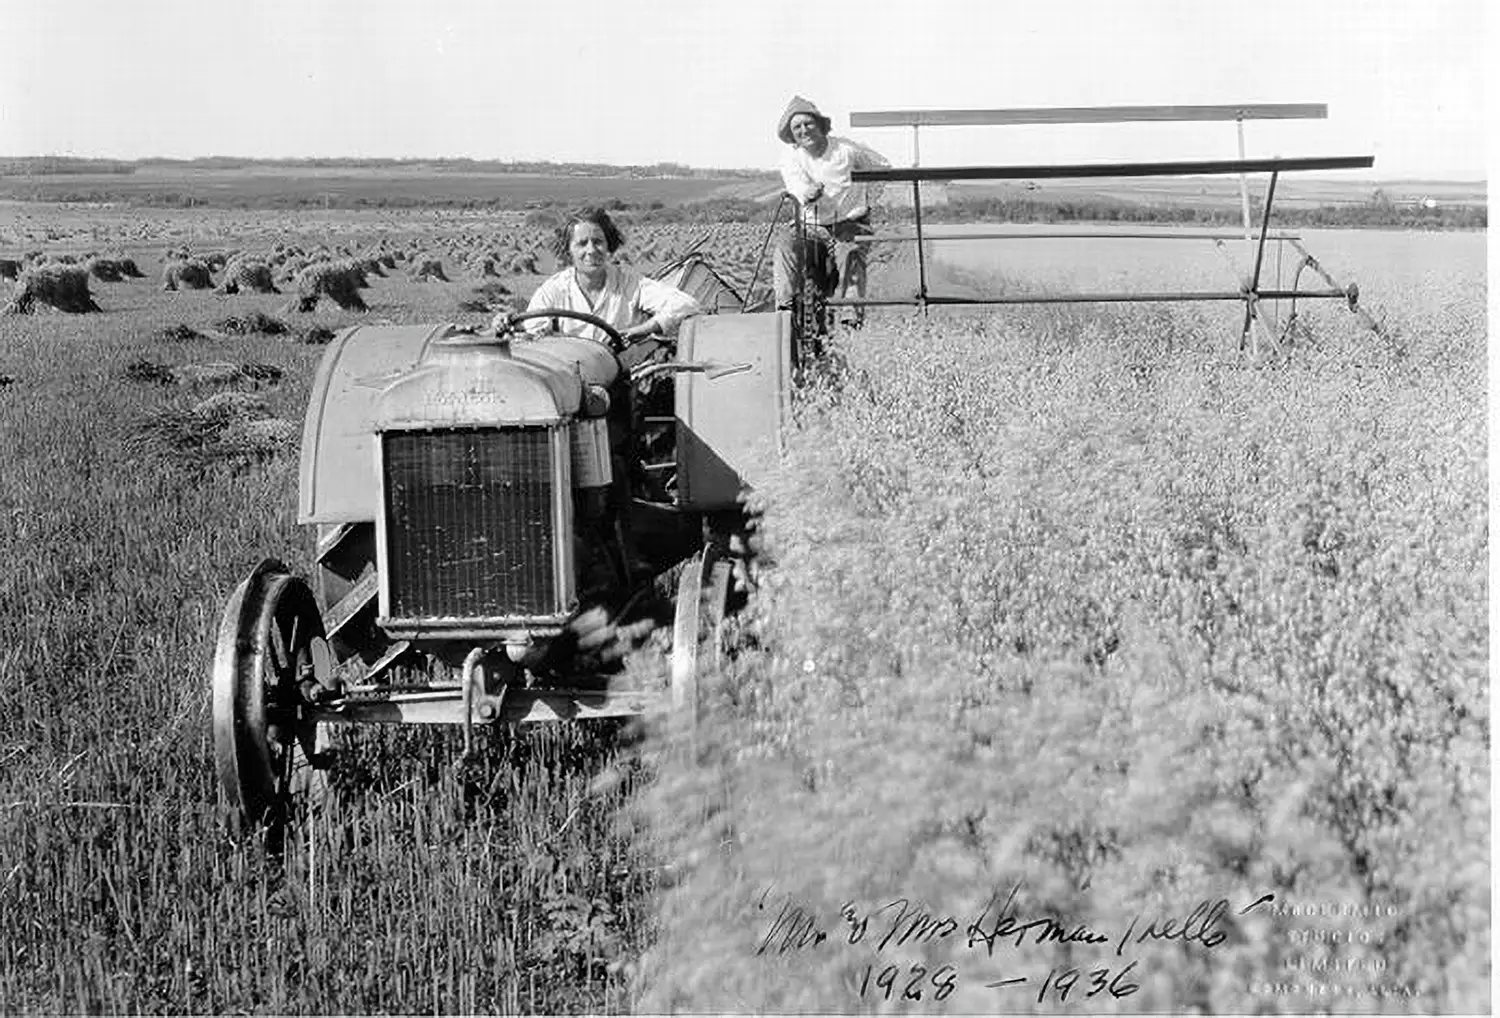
(702, 82)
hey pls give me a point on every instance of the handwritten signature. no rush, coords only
(1199, 926)
(904, 923)
(901, 923)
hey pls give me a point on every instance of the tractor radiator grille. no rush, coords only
(470, 529)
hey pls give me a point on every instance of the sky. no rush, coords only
(702, 82)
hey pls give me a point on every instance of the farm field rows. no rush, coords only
(269, 187)
(1073, 600)
(279, 186)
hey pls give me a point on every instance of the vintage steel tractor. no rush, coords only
(496, 514)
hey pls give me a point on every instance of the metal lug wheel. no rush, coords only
(697, 632)
(270, 637)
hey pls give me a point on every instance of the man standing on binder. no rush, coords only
(835, 210)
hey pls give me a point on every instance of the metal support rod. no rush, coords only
(932, 237)
(1086, 298)
(1239, 123)
(1081, 170)
(1351, 292)
(1252, 295)
(1265, 225)
(916, 205)
(1276, 308)
(1087, 115)
(765, 245)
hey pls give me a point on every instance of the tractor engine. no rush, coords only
(494, 460)
(477, 489)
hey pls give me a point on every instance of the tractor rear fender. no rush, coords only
(730, 419)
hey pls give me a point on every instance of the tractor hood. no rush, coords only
(401, 376)
(468, 381)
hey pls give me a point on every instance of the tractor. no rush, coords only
(496, 512)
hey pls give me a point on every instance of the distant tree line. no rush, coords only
(25, 166)
(1375, 212)
(54, 166)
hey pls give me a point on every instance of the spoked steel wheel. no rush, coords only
(698, 630)
(269, 639)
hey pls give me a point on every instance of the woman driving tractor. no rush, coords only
(635, 305)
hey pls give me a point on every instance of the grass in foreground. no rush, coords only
(1077, 605)
(504, 887)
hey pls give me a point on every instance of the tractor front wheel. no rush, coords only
(270, 637)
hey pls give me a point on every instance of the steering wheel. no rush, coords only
(617, 342)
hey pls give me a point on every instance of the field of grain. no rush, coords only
(1292, 191)
(1068, 600)
(1081, 625)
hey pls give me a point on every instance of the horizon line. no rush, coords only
(759, 171)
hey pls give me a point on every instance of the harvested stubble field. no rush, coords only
(301, 187)
(133, 502)
(1068, 600)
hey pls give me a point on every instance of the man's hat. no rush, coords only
(796, 106)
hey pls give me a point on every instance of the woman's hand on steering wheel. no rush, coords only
(617, 343)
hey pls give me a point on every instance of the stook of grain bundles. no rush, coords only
(429, 268)
(339, 281)
(112, 268)
(186, 274)
(64, 287)
(128, 268)
(484, 267)
(248, 276)
(230, 426)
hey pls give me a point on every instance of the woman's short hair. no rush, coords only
(590, 214)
